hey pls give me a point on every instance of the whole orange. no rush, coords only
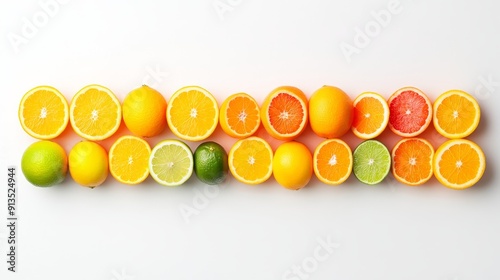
(330, 112)
(144, 112)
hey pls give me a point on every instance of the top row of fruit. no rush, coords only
(192, 113)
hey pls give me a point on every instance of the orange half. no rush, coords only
(251, 160)
(43, 112)
(332, 161)
(239, 115)
(412, 161)
(129, 160)
(284, 113)
(192, 113)
(456, 114)
(371, 115)
(95, 113)
(459, 164)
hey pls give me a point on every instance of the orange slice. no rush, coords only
(284, 113)
(192, 113)
(412, 161)
(332, 161)
(410, 112)
(43, 112)
(129, 160)
(456, 114)
(459, 164)
(251, 160)
(371, 115)
(239, 115)
(95, 113)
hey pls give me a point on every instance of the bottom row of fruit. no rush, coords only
(457, 164)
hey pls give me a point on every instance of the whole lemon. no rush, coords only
(88, 164)
(44, 164)
(292, 165)
(330, 112)
(144, 112)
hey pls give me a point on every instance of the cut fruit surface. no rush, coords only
(239, 115)
(251, 160)
(192, 113)
(371, 162)
(284, 113)
(332, 161)
(95, 113)
(456, 114)
(371, 115)
(412, 161)
(129, 160)
(459, 164)
(171, 163)
(44, 112)
(410, 112)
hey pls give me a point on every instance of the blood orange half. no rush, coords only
(284, 113)
(410, 112)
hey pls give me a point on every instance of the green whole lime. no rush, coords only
(44, 164)
(210, 163)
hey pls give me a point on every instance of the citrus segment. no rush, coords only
(43, 112)
(192, 113)
(171, 163)
(332, 161)
(95, 113)
(371, 162)
(239, 115)
(129, 160)
(144, 112)
(284, 113)
(459, 164)
(410, 112)
(371, 115)
(412, 161)
(250, 160)
(456, 114)
(292, 165)
(330, 112)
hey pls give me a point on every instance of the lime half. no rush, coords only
(372, 162)
(171, 163)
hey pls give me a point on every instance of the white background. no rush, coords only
(117, 232)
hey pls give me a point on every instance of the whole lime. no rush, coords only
(44, 164)
(210, 163)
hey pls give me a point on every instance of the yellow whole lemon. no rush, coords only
(330, 112)
(88, 164)
(144, 112)
(292, 165)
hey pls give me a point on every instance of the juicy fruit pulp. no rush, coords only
(95, 113)
(144, 112)
(410, 112)
(372, 162)
(459, 164)
(211, 163)
(412, 161)
(292, 165)
(88, 164)
(192, 113)
(250, 160)
(44, 112)
(284, 113)
(330, 112)
(371, 115)
(129, 160)
(239, 115)
(456, 114)
(332, 161)
(44, 164)
(171, 163)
